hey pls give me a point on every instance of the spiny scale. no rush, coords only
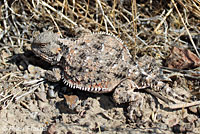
(94, 61)
(83, 88)
(99, 62)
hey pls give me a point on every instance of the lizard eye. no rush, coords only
(42, 44)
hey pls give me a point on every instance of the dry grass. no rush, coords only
(157, 23)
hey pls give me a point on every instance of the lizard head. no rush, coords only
(46, 46)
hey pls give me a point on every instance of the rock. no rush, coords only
(71, 101)
(22, 66)
(51, 129)
(31, 69)
(51, 93)
(193, 109)
(171, 120)
(191, 118)
(182, 58)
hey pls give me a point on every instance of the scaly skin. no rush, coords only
(99, 63)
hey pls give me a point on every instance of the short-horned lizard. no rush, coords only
(99, 63)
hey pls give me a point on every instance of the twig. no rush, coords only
(105, 17)
(168, 13)
(134, 14)
(30, 91)
(54, 21)
(169, 102)
(17, 37)
(6, 97)
(12, 99)
(61, 14)
(184, 73)
(184, 105)
(28, 83)
(3, 77)
(11, 88)
(158, 96)
(186, 28)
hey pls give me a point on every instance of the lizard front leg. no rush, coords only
(53, 75)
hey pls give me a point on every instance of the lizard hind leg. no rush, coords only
(124, 93)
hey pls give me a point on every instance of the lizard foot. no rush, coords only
(53, 75)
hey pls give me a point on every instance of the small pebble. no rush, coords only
(193, 109)
(51, 129)
(190, 118)
(22, 66)
(31, 69)
(51, 93)
(87, 124)
(71, 101)
(178, 128)
(57, 120)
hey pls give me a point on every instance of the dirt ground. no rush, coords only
(31, 104)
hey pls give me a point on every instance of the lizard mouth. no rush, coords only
(51, 55)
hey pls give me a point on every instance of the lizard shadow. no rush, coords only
(85, 98)
(27, 58)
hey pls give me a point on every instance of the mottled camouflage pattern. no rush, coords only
(99, 63)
